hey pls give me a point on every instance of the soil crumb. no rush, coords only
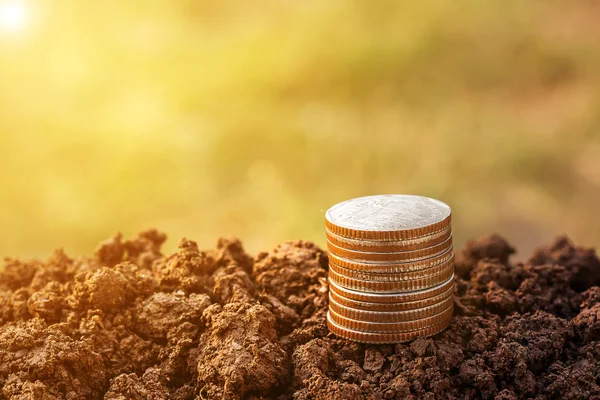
(130, 323)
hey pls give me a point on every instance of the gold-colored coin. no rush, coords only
(403, 306)
(394, 286)
(390, 217)
(383, 338)
(404, 256)
(387, 298)
(390, 327)
(391, 267)
(390, 316)
(390, 277)
(377, 246)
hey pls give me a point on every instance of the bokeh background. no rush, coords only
(206, 118)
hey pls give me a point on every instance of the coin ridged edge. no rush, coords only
(389, 246)
(385, 338)
(391, 287)
(413, 233)
(390, 316)
(412, 255)
(391, 297)
(390, 327)
(391, 276)
(400, 306)
(391, 267)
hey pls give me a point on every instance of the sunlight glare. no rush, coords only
(13, 16)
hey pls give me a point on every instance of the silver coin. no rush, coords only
(390, 212)
(404, 297)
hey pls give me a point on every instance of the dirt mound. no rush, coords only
(130, 323)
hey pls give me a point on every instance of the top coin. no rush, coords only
(388, 217)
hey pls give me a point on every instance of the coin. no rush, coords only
(378, 246)
(383, 338)
(389, 267)
(393, 286)
(388, 217)
(389, 316)
(412, 255)
(371, 297)
(393, 327)
(385, 276)
(402, 306)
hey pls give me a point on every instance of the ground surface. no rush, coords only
(130, 323)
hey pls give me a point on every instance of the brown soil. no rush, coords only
(130, 323)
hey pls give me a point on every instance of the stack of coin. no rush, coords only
(391, 268)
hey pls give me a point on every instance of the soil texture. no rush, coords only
(130, 323)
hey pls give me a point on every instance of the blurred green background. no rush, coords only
(204, 118)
